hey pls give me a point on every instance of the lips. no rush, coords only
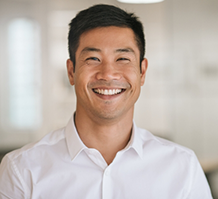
(107, 91)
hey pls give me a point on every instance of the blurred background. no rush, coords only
(179, 100)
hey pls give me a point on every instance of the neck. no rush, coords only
(108, 137)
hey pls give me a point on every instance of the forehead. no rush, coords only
(108, 37)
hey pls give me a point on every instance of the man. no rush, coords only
(101, 153)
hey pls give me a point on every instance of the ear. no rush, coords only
(144, 66)
(70, 71)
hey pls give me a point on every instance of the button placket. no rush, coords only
(106, 184)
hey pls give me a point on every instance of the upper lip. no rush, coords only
(107, 85)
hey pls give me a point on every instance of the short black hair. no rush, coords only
(102, 15)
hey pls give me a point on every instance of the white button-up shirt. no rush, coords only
(61, 166)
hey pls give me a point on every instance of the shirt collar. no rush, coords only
(135, 141)
(75, 144)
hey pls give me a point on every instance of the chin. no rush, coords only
(109, 115)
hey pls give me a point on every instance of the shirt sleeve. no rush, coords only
(11, 184)
(199, 186)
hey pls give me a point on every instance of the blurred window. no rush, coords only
(24, 74)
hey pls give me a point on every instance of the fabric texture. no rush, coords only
(61, 166)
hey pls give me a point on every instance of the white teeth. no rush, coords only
(108, 92)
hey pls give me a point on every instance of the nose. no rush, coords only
(108, 71)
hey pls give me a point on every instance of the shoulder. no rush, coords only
(164, 146)
(178, 163)
(168, 155)
(19, 167)
(47, 141)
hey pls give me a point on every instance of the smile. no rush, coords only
(107, 91)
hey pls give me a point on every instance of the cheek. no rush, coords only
(82, 79)
(132, 67)
(133, 76)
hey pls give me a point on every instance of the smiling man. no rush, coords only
(101, 153)
(107, 81)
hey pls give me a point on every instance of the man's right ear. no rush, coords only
(70, 71)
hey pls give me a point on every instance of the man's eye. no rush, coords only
(123, 59)
(93, 58)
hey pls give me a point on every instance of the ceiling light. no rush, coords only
(140, 1)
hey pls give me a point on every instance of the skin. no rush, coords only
(107, 58)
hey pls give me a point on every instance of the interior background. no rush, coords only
(179, 100)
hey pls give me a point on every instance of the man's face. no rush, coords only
(107, 76)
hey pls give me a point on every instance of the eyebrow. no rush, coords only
(127, 50)
(90, 49)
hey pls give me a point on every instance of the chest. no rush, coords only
(122, 179)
